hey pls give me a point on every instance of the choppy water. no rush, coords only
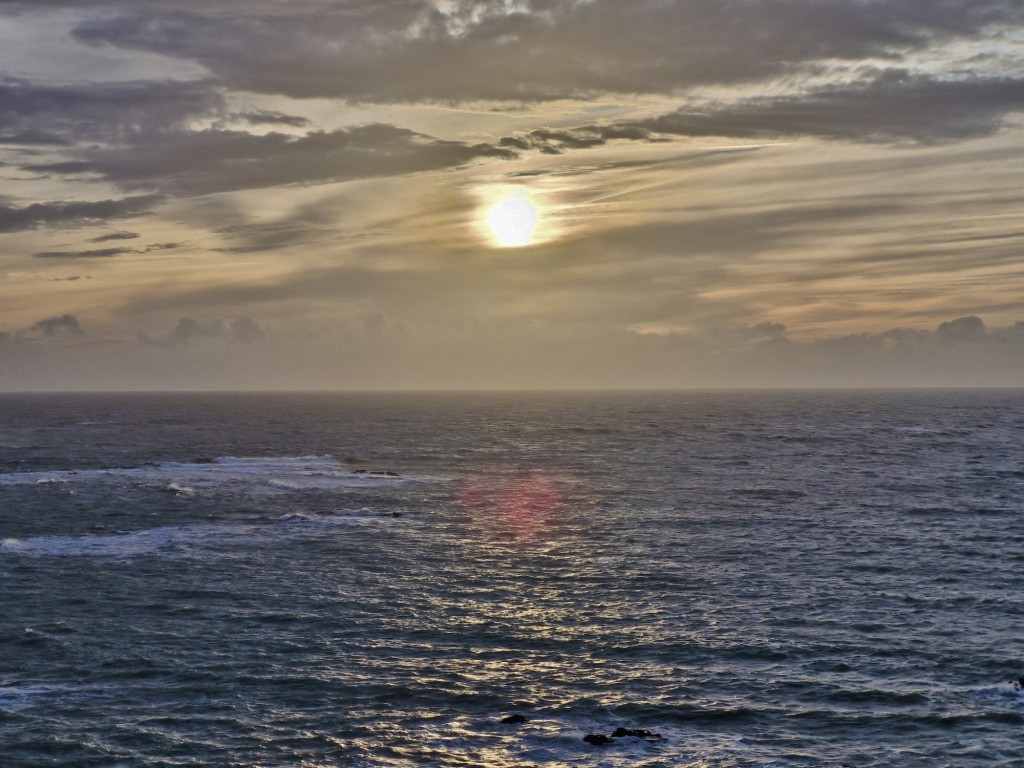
(788, 579)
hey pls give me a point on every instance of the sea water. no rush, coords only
(742, 579)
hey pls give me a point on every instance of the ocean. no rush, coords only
(485, 579)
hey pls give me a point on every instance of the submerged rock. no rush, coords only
(511, 719)
(638, 732)
(597, 739)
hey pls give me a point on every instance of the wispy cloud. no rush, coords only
(60, 213)
(203, 162)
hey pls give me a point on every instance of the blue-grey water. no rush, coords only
(762, 579)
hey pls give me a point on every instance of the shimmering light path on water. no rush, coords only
(790, 579)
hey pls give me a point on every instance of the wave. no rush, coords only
(14, 696)
(183, 540)
(287, 473)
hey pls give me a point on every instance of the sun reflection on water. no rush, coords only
(524, 504)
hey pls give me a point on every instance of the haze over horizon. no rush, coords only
(453, 194)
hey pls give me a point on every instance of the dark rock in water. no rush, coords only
(293, 517)
(360, 471)
(350, 460)
(396, 514)
(511, 719)
(638, 732)
(202, 460)
(1019, 685)
(597, 739)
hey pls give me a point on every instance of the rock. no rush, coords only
(514, 719)
(597, 739)
(638, 732)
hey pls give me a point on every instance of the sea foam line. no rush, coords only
(287, 473)
(182, 541)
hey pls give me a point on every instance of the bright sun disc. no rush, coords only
(512, 221)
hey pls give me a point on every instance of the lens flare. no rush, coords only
(524, 504)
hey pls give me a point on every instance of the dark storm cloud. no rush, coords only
(201, 162)
(407, 50)
(894, 106)
(73, 213)
(189, 331)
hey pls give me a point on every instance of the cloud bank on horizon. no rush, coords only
(729, 193)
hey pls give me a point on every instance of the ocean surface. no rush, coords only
(740, 579)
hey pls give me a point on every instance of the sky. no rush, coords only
(466, 194)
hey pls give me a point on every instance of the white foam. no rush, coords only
(14, 697)
(916, 430)
(288, 473)
(178, 541)
(1008, 691)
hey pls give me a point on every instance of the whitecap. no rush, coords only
(18, 696)
(278, 473)
(176, 541)
(150, 541)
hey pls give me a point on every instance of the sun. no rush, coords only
(512, 220)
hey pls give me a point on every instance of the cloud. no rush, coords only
(264, 117)
(106, 112)
(34, 137)
(410, 50)
(104, 253)
(202, 162)
(73, 213)
(892, 106)
(375, 350)
(190, 331)
(119, 235)
(888, 107)
(47, 328)
(96, 253)
(245, 330)
(969, 329)
(555, 142)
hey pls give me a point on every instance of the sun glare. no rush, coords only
(512, 220)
